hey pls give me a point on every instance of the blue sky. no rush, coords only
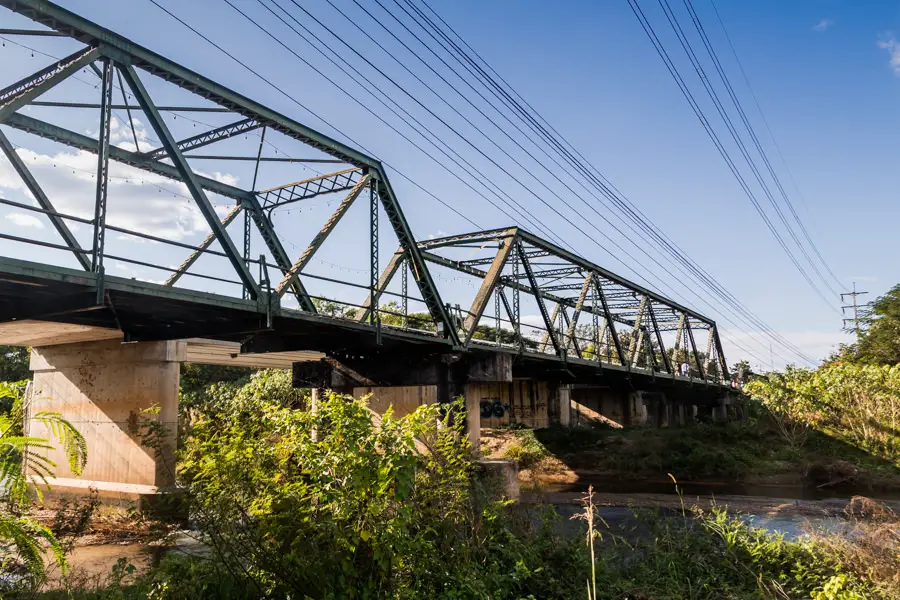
(821, 70)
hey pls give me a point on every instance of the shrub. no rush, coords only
(344, 503)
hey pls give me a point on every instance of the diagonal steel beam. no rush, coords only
(25, 90)
(208, 137)
(512, 317)
(636, 338)
(189, 178)
(721, 354)
(42, 199)
(291, 275)
(427, 288)
(207, 241)
(545, 340)
(133, 159)
(667, 362)
(387, 275)
(690, 336)
(610, 323)
(487, 286)
(273, 243)
(560, 351)
(579, 305)
(308, 188)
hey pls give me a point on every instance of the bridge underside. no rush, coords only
(145, 311)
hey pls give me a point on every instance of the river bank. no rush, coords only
(741, 459)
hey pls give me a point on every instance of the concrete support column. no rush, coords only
(671, 419)
(102, 389)
(473, 419)
(564, 400)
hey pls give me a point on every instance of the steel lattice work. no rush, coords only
(585, 314)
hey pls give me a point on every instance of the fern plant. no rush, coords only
(22, 540)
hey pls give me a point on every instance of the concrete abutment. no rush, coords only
(103, 389)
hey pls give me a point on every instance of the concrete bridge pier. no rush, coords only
(102, 387)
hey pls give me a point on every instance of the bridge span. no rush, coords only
(473, 314)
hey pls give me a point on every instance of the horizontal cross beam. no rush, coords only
(309, 188)
(208, 137)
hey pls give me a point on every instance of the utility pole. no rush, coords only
(855, 306)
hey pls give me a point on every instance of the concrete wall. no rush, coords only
(522, 401)
(405, 399)
(101, 387)
(603, 404)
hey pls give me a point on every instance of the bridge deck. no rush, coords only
(146, 311)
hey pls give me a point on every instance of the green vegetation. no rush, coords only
(23, 541)
(343, 503)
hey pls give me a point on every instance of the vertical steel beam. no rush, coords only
(548, 323)
(247, 229)
(497, 323)
(42, 199)
(397, 261)
(404, 292)
(292, 274)
(189, 178)
(516, 312)
(487, 286)
(207, 241)
(510, 312)
(99, 239)
(374, 315)
(709, 349)
(610, 323)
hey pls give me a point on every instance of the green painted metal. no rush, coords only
(187, 176)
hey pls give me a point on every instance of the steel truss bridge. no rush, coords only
(588, 321)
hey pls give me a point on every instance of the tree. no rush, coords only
(880, 341)
(14, 363)
(22, 538)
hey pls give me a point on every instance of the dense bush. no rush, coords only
(859, 404)
(342, 503)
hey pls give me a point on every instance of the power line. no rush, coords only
(580, 163)
(297, 102)
(685, 90)
(771, 134)
(759, 148)
(630, 256)
(245, 66)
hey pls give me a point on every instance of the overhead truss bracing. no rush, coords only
(126, 59)
(582, 310)
(536, 297)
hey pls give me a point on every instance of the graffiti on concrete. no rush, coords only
(492, 407)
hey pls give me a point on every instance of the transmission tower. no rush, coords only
(853, 305)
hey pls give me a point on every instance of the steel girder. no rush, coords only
(609, 299)
(125, 53)
(537, 265)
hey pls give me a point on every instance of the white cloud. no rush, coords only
(138, 200)
(889, 43)
(866, 278)
(25, 220)
(823, 25)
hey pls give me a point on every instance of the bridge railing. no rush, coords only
(528, 295)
